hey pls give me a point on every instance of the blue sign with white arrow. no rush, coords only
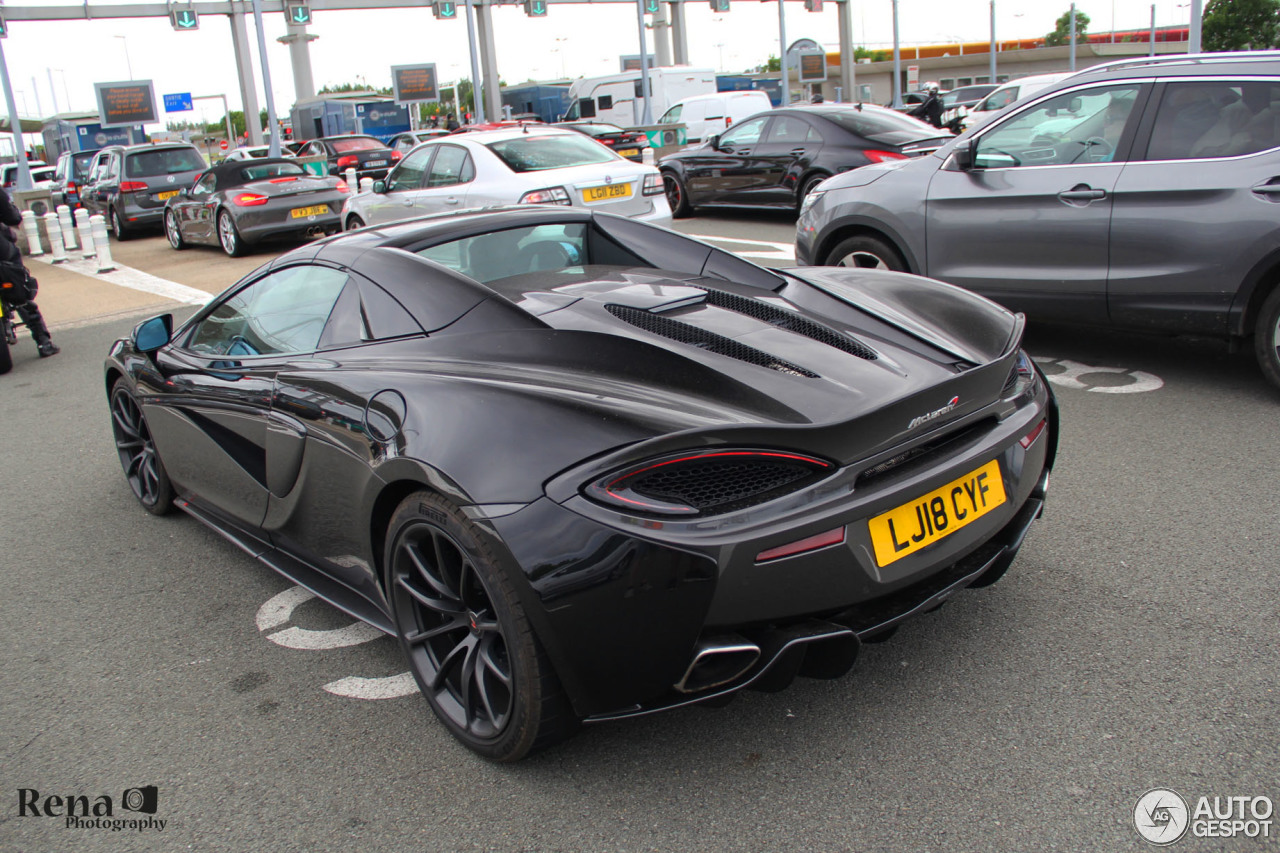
(178, 103)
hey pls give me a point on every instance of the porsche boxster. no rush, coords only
(585, 468)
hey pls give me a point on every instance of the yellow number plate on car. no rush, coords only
(628, 152)
(906, 529)
(299, 212)
(165, 196)
(611, 191)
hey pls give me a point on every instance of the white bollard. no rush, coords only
(100, 242)
(68, 227)
(86, 235)
(32, 227)
(350, 176)
(366, 185)
(57, 251)
(646, 156)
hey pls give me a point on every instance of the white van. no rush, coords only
(1008, 93)
(704, 115)
(618, 98)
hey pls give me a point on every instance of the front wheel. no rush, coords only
(143, 469)
(865, 252)
(464, 631)
(6, 357)
(228, 236)
(173, 231)
(677, 196)
(354, 223)
(1266, 337)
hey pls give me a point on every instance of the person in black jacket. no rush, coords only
(931, 109)
(11, 254)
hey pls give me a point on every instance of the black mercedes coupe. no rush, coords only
(586, 468)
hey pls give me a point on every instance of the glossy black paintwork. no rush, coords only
(773, 174)
(509, 411)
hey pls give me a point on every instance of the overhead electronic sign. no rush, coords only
(126, 103)
(813, 67)
(414, 83)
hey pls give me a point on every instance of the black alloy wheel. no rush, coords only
(143, 469)
(1266, 337)
(172, 231)
(677, 197)
(228, 236)
(117, 225)
(464, 632)
(865, 252)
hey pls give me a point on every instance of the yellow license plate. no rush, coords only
(629, 152)
(300, 212)
(610, 191)
(165, 196)
(904, 530)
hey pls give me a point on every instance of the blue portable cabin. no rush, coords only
(349, 112)
(548, 102)
(772, 86)
(75, 132)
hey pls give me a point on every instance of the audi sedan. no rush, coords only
(368, 155)
(584, 468)
(519, 165)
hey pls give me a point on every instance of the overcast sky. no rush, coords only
(574, 40)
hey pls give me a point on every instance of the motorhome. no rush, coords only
(618, 98)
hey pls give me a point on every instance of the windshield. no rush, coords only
(162, 161)
(363, 144)
(538, 153)
(81, 164)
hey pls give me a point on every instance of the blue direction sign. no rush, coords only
(297, 13)
(178, 103)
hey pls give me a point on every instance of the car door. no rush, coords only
(1029, 225)
(403, 185)
(196, 210)
(212, 421)
(788, 151)
(1199, 209)
(449, 179)
(728, 171)
(92, 197)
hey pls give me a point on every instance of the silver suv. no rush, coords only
(1144, 194)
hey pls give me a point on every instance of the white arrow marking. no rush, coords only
(1073, 370)
(391, 687)
(279, 608)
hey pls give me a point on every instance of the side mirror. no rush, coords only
(962, 154)
(150, 335)
(714, 141)
(380, 187)
(184, 192)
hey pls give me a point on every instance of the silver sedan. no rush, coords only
(511, 166)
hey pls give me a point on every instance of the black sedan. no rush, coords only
(239, 203)
(624, 143)
(776, 158)
(368, 155)
(585, 468)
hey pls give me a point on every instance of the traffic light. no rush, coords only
(813, 5)
(719, 5)
(298, 14)
(444, 9)
(535, 8)
(651, 6)
(184, 19)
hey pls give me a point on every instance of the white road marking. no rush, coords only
(135, 280)
(279, 609)
(1072, 371)
(390, 687)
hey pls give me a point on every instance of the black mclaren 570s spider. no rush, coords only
(585, 468)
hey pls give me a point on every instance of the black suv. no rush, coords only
(130, 184)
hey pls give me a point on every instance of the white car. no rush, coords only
(255, 152)
(1002, 97)
(41, 174)
(530, 165)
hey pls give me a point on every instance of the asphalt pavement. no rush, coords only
(1133, 645)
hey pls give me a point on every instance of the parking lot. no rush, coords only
(1131, 646)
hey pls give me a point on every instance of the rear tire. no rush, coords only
(865, 252)
(118, 226)
(466, 637)
(1266, 338)
(353, 223)
(677, 195)
(228, 236)
(6, 357)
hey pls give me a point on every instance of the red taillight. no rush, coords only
(71, 186)
(707, 482)
(395, 155)
(880, 156)
(344, 162)
(342, 187)
(248, 199)
(283, 180)
(801, 546)
(1028, 439)
(132, 187)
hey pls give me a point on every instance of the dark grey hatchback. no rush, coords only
(1141, 194)
(131, 183)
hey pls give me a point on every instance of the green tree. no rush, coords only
(343, 88)
(1062, 29)
(1241, 25)
(772, 64)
